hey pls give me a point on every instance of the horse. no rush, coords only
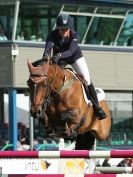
(58, 100)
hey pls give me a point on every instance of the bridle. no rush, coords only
(48, 87)
(35, 84)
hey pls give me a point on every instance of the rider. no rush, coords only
(64, 42)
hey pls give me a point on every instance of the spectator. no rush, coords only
(95, 39)
(106, 162)
(21, 133)
(2, 143)
(33, 38)
(39, 37)
(2, 35)
(20, 37)
(130, 42)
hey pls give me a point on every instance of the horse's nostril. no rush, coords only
(32, 114)
(39, 112)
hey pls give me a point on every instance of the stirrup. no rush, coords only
(100, 113)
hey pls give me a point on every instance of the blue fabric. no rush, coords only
(68, 47)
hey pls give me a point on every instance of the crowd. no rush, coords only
(2, 34)
(23, 136)
(23, 35)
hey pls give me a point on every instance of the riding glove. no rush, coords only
(57, 57)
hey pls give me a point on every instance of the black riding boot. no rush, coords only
(93, 97)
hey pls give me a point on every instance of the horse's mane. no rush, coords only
(37, 63)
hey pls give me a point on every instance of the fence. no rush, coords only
(13, 156)
(68, 154)
(86, 175)
(114, 169)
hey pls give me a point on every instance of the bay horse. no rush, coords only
(57, 98)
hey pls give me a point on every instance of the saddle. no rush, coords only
(99, 91)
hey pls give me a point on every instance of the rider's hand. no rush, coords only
(57, 57)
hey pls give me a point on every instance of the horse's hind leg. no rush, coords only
(85, 141)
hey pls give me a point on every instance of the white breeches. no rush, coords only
(80, 66)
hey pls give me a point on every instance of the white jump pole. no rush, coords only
(114, 169)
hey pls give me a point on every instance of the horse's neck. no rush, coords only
(56, 76)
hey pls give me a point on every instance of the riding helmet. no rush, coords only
(64, 21)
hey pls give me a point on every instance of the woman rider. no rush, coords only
(64, 42)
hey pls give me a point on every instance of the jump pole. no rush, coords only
(114, 170)
(75, 175)
(67, 154)
(71, 154)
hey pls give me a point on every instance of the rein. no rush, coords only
(67, 84)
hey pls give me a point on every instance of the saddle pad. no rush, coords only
(100, 94)
(99, 91)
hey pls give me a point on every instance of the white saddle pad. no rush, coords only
(99, 91)
(100, 94)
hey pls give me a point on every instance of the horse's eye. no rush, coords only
(45, 85)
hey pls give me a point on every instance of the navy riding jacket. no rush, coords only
(68, 47)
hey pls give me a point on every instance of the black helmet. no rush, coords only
(64, 20)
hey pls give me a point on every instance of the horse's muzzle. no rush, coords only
(36, 112)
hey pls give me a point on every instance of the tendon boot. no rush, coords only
(93, 97)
